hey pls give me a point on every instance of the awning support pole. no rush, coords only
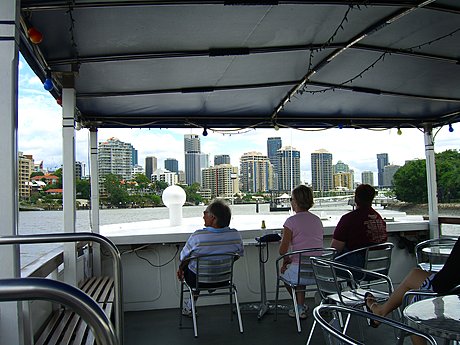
(431, 182)
(68, 177)
(94, 198)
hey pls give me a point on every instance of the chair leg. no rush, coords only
(276, 299)
(311, 332)
(230, 290)
(195, 328)
(181, 302)
(296, 309)
(240, 322)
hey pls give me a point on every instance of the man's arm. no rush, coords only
(338, 245)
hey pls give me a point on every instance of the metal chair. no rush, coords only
(334, 334)
(305, 276)
(336, 285)
(433, 263)
(217, 270)
(375, 258)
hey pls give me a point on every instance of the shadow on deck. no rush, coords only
(161, 327)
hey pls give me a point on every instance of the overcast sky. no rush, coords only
(40, 134)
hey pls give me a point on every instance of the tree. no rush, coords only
(410, 180)
(192, 194)
(83, 189)
(37, 173)
(117, 194)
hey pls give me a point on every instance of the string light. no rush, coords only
(35, 36)
(48, 84)
(399, 131)
(205, 132)
(451, 129)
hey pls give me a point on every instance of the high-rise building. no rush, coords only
(134, 157)
(115, 157)
(193, 158)
(25, 168)
(172, 165)
(150, 166)
(220, 180)
(343, 180)
(382, 162)
(367, 177)
(221, 159)
(273, 145)
(388, 173)
(340, 167)
(78, 170)
(255, 172)
(165, 176)
(288, 159)
(321, 170)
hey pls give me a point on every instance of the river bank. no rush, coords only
(446, 210)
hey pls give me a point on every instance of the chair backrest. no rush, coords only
(305, 271)
(375, 258)
(439, 243)
(333, 334)
(329, 279)
(214, 268)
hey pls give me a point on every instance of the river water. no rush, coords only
(35, 222)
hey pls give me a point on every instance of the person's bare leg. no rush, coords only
(413, 280)
(300, 295)
(416, 340)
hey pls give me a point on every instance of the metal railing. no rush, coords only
(24, 289)
(76, 237)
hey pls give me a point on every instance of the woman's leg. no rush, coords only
(412, 281)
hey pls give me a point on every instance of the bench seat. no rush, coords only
(65, 327)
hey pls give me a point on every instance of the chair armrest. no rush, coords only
(377, 275)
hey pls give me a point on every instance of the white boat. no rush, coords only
(216, 64)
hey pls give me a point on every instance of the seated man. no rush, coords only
(359, 228)
(215, 238)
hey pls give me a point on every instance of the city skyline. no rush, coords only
(40, 135)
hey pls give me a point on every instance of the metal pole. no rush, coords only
(10, 315)
(431, 182)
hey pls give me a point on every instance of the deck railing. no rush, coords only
(50, 265)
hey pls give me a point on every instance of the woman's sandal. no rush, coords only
(369, 297)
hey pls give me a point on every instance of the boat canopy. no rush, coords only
(249, 64)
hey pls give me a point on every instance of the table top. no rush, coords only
(438, 251)
(438, 316)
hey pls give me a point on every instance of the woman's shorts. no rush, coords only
(291, 274)
(426, 286)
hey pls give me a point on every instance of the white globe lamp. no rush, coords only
(174, 198)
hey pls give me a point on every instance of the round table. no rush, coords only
(438, 316)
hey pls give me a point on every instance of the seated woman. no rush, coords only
(301, 231)
(442, 282)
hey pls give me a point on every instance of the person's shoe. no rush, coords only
(187, 309)
(302, 312)
(186, 312)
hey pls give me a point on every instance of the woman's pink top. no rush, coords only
(307, 231)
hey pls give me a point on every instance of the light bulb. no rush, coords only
(276, 127)
(399, 131)
(59, 100)
(205, 132)
(35, 36)
(451, 129)
(340, 126)
(48, 84)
